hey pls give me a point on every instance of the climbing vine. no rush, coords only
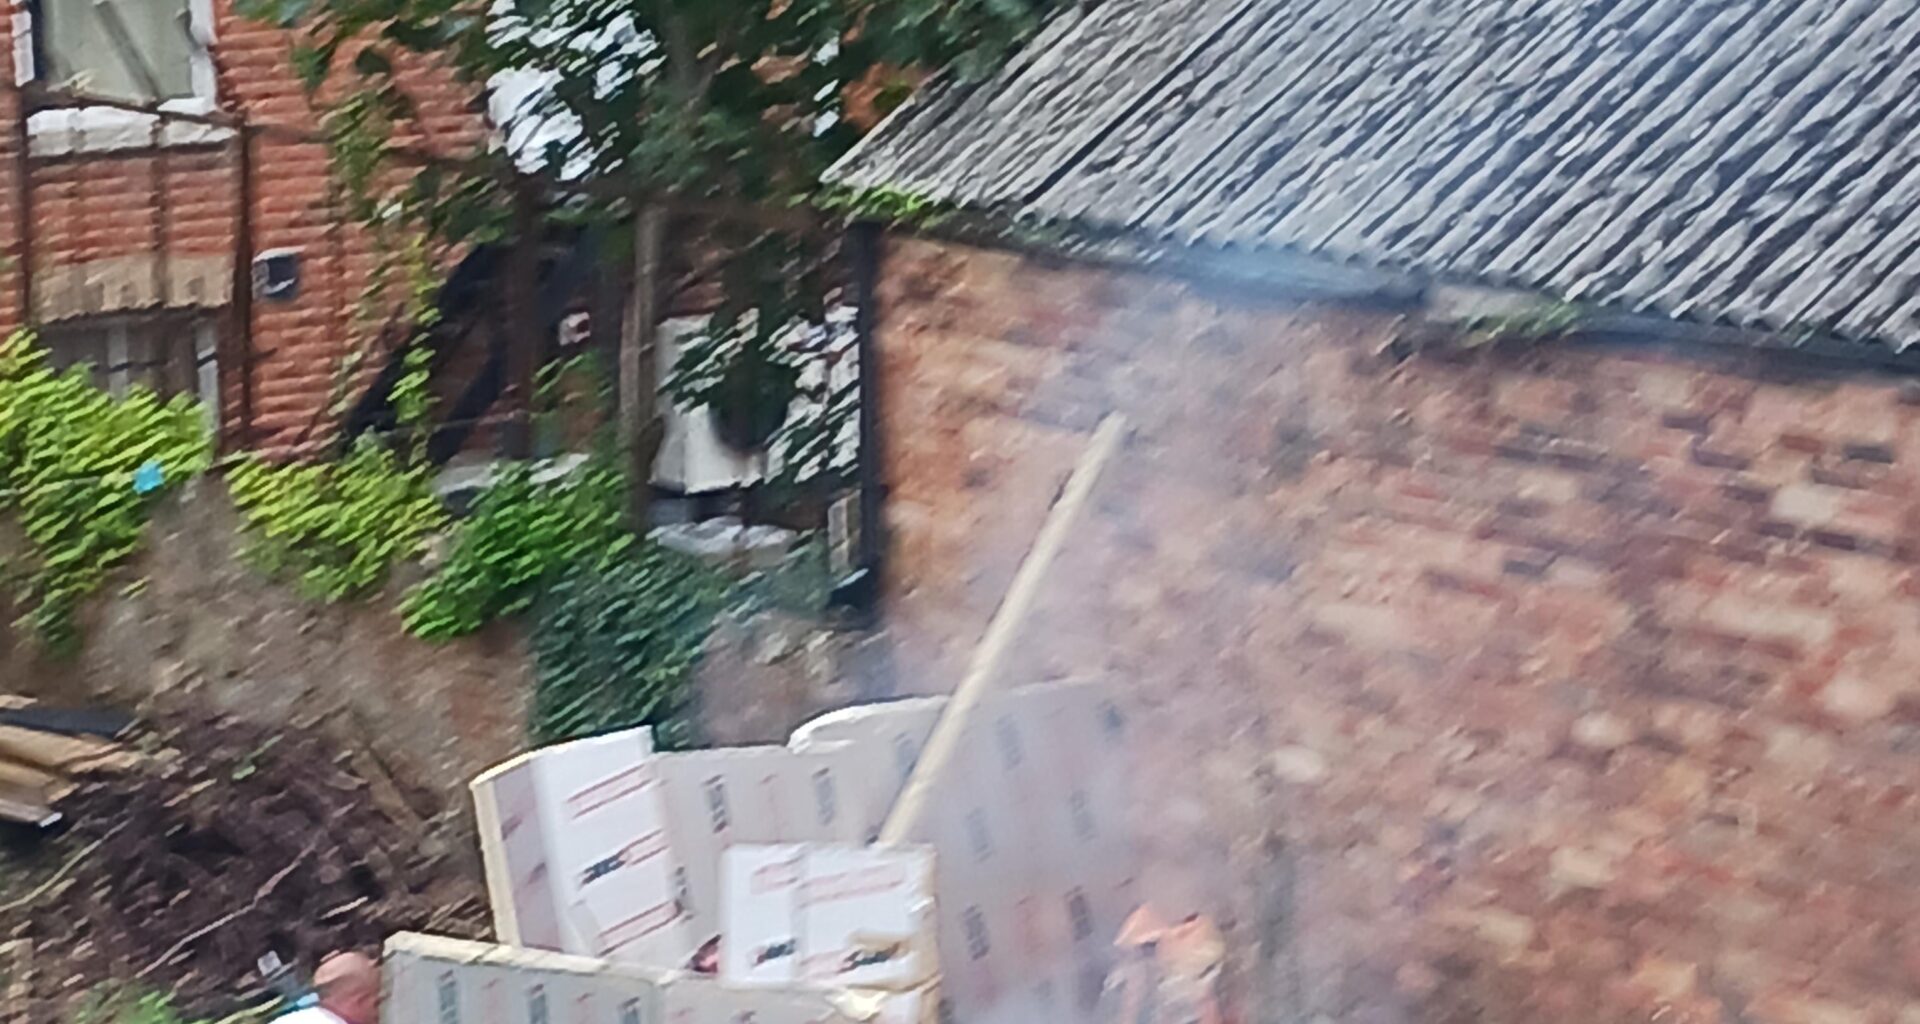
(616, 647)
(79, 472)
(619, 624)
(890, 205)
(335, 530)
(524, 532)
(1541, 323)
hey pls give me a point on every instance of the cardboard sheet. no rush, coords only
(717, 798)
(827, 916)
(1033, 867)
(577, 854)
(434, 980)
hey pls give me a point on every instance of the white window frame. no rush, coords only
(104, 129)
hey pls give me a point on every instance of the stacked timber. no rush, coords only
(44, 752)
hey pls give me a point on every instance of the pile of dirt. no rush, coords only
(236, 841)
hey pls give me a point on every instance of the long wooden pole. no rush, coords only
(526, 333)
(1001, 631)
(639, 380)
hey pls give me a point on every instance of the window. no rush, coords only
(144, 51)
(127, 49)
(172, 353)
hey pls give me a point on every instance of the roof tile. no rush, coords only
(1747, 161)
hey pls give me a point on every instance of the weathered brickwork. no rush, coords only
(1577, 683)
(183, 200)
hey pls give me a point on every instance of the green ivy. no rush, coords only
(69, 455)
(522, 534)
(413, 397)
(890, 205)
(616, 647)
(336, 529)
(1541, 323)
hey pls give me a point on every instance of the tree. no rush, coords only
(730, 102)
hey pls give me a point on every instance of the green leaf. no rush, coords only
(68, 455)
(313, 62)
(335, 530)
(616, 647)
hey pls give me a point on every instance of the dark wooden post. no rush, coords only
(640, 425)
(525, 330)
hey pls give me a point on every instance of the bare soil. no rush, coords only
(238, 841)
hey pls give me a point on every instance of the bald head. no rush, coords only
(349, 987)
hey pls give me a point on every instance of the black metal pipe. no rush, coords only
(865, 251)
(242, 301)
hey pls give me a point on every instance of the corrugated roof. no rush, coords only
(1747, 161)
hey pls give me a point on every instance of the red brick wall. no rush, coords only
(1580, 683)
(10, 251)
(93, 205)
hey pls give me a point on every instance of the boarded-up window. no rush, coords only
(170, 353)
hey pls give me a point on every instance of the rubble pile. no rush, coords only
(231, 841)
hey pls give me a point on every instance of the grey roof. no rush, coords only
(1754, 162)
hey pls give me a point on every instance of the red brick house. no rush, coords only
(129, 238)
(1564, 669)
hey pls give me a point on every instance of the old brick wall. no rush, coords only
(1572, 683)
(182, 199)
(10, 161)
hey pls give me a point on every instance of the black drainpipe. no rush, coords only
(860, 590)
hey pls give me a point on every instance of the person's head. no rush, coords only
(349, 987)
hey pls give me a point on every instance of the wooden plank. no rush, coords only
(63, 755)
(24, 808)
(24, 778)
(639, 427)
(16, 969)
(1001, 631)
